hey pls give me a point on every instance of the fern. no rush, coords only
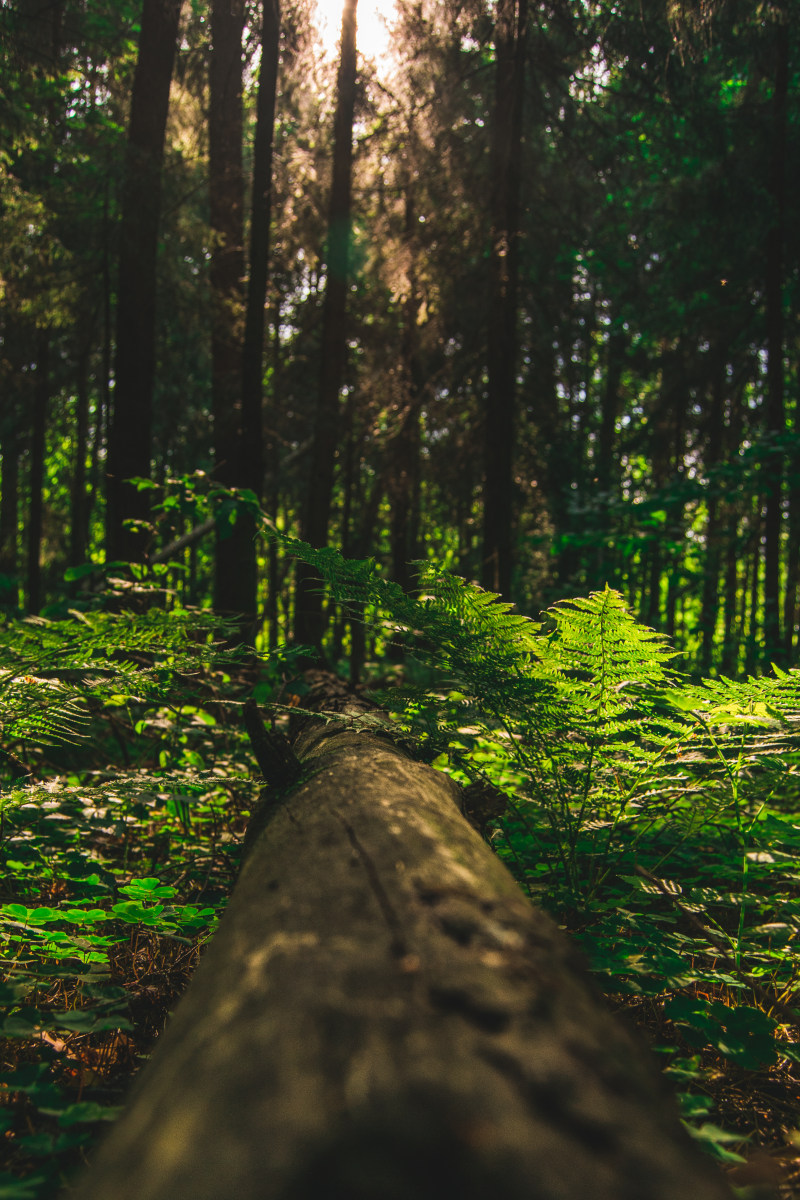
(580, 718)
(57, 678)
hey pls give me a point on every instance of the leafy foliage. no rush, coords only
(114, 871)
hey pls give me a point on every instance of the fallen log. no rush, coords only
(383, 1015)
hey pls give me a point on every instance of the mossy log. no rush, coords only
(382, 1015)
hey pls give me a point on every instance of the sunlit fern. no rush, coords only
(57, 676)
(586, 716)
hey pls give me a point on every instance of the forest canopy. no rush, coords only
(515, 296)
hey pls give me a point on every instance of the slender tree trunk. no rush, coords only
(752, 651)
(317, 507)
(506, 168)
(404, 449)
(776, 417)
(252, 425)
(9, 482)
(605, 468)
(79, 508)
(232, 593)
(730, 626)
(103, 420)
(792, 584)
(130, 432)
(713, 555)
(41, 396)
(272, 492)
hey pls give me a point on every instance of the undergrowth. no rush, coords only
(126, 791)
(654, 816)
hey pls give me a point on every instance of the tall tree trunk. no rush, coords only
(776, 417)
(753, 643)
(272, 498)
(252, 425)
(506, 168)
(309, 626)
(404, 449)
(9, 476)
(226, 196)
(130, 432)
(606, 472)
(79, 507)
(792, 584)
(103, 411)
(713, 531)
(41, 396)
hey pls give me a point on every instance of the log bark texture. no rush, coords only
(383, 1015)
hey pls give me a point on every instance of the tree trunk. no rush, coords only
(309, 626)
(753, 643)
(10, 449)
(41, 396)
(510, 45)
(130, 432)
(713, 531)
(79, 506)
(606, 469)
(776, 416)
(252, 426)
(234, 543)
(383, 1015)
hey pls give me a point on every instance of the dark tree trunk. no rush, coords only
(10, 426)
(730, 627)
(403, 451)
(252, 427)
(668, 438)
(606, 471)
(234, 543)
(506, 168)
(776, 417)
(41, 396)
(9, 508)
(79, 501)
(792, 560)
(103, 413)
(383, 1015)
(130, 432)
(309, 625)
(752, 600)
(713, 532)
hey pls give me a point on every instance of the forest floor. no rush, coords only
(106, 901)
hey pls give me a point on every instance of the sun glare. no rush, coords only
(374, 19)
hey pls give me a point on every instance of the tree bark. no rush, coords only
(226, 197)
(130, 431)
(10, 453)
(309, 625)
(709, 604)
(775, 407)
(41, 398)
(79, 507)
(510, 45)
(252, 421)
(382, 1014)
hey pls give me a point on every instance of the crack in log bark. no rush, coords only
(398, 945)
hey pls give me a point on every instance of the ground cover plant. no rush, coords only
(655, 816)
(123, 801)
